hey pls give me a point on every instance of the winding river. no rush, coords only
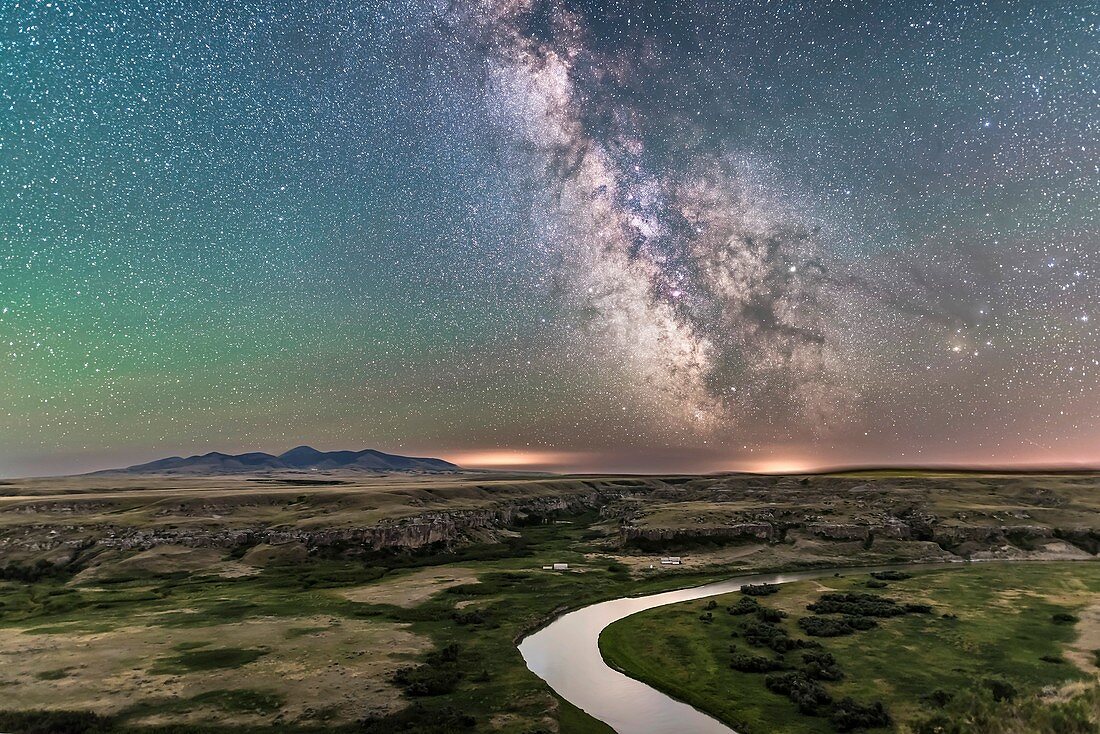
(566, 655)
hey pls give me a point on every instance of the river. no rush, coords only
(566, 654)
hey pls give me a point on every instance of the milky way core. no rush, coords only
(649, 236)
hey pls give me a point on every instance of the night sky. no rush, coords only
(648, 236)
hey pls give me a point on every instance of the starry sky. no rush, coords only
(686, 235)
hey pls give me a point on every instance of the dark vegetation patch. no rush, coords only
(759, 589)
(748, 663)
(848, 715)
(864, 605)
(802, 682)
(440, 673)
(744, 605)
(57, 674)
(835, 626)
(37, 571)
(55, 722)
(808, 695)
(773, 637)
(191, 661)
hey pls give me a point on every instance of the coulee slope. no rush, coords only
(302, 458)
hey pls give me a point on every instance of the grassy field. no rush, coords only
(419, 642)
(988, 625)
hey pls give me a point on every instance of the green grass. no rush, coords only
(1004, 628)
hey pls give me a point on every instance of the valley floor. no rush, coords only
(362, 603)
(991, 648)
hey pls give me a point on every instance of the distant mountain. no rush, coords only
(302, 458)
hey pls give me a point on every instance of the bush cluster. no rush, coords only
(891, 575)
(769, 615)
(744, 605)
(821, 665)
(835, 626)
(439, 674)
(762, 634)
(747, 663)
(848, 715)
(864, 605)
(809, 695)
(759, 589)
(474, 616)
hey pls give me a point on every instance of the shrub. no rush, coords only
(762, 634)
(1063, 618)
(865, 605)
(1001, 689)
(707, 617)
(474, 616)
(744, 605)
(891, 575)
(712, 604)
(821, 665)
(426, 680)
(938, 698)
(756, 663)
(834, 626)
(810, 696)
(438, 675)
(769, 615)
(848, 715)
(876, 584)
(759, 589)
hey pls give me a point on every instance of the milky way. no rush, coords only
(587, 235)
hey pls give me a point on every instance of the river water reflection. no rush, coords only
(566, 655)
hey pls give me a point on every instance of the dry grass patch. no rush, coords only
(339, 666)
(410, 589)
(1082, 652)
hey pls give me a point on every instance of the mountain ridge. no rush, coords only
(301, 458)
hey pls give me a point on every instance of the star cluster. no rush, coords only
(690, 235)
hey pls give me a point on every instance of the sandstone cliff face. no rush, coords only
(963, 517)
(436, 527)
(759, 531)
